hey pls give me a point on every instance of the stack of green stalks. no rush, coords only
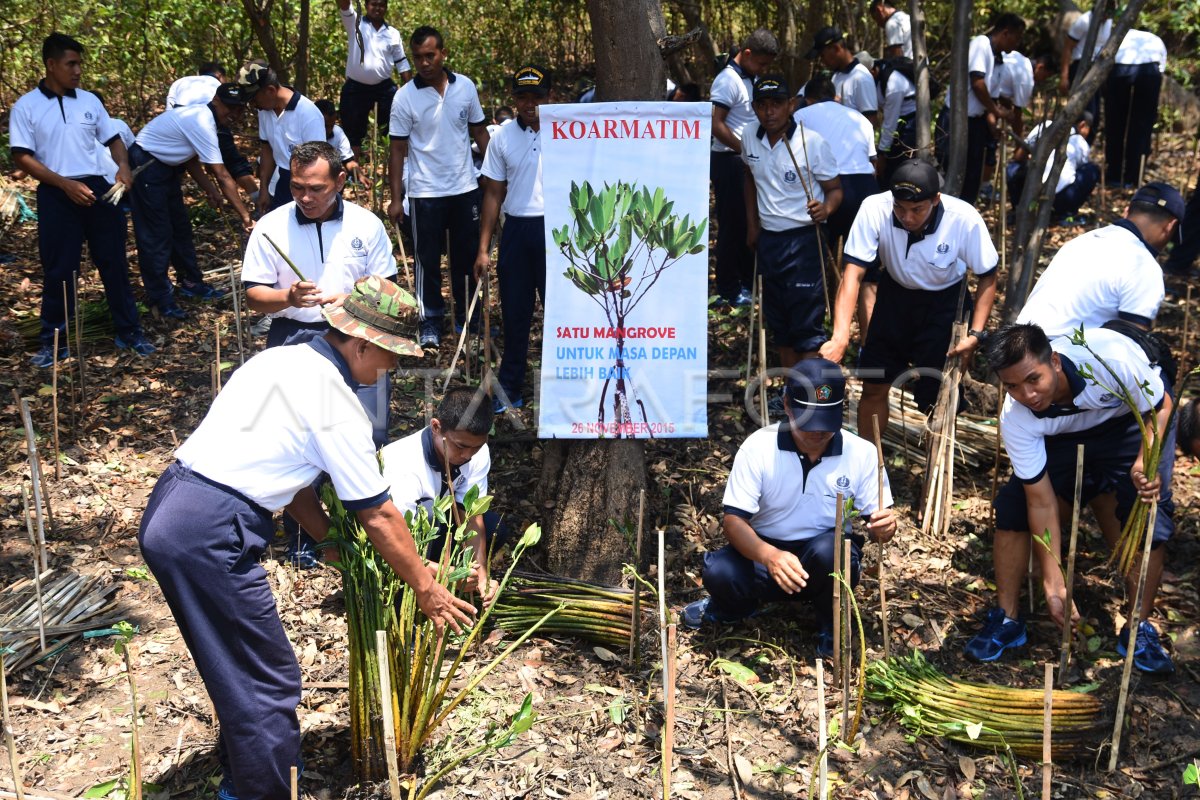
(984, 716)
(97, 323)
(600, 614)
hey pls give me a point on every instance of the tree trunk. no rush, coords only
(789, 59)
(301, 60)
(264, 31)
(1030, 229)
(586, 483)
(921, 65)
(704, 46)
(960, 85)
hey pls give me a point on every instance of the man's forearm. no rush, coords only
(744, 539)
(389, 534)
(985, 297)
(230, 190)
(306, 509)
(37, 170)
(396, 154)
(120, 155)
(846, 301)
(488, 215)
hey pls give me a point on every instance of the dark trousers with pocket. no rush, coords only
(978, 137)
(735, 262)
(63, 227)
(356, 102)
(162, 228)
(283, 189)
(202, 541)
(1131, 108)
(521, 271)
(793, 287)
(738, 586)
(432, 219)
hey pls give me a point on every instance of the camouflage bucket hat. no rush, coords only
(375, 311)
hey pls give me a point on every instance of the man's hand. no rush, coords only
(443, 608)
(834, 350)
(483, 262)
(1147, 489)
(882, 526)
(817, 211)
(125, 176)
(786, 570)
(1055, 602)
(264, 200)
(303, 294)
(965, 346)
(247, 223)
(482, 584)
(1064, 85)
(79, 193)
(214, 197)
(332, 299)
(395, 209)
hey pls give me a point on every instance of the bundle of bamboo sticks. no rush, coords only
(70, 604)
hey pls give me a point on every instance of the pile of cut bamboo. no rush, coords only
(69, 603)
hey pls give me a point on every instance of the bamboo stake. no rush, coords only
(662, 594)
(217, 351)
(668, 732)
(1187, 319)
(389, 723)
(54, 410)
(730, 764)
(808, 193)
(1065, 658)
(847, 641)
(467, 356)
(1003, 205)
(295, 782)
(79, 342)
(996, 458)
(462, 338)
(35, 476)
(754, 302)
(883, 612)
(485, 371)
(18, 781)
(408, 276)
(762, 361)
(237, 312)
(837, 586)
(635, 626)
(1142, 170)
(136, 754)
(822, 734)
(1047, 733)
(1131, 645)
(37, 573)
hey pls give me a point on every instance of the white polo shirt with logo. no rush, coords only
(1024, 432)
(514, 155)
(178, 135)
(847, 132)
(299, 122)
(192, 90)
(955, 240)
(1013, 79)
(899, 100)
(1078, 32)
(782, 203)
(1105, 274)
(340, 142)
(382, 52)
(333, 254)
(414, 472)
(61, 132)
(104, 160)
(897, 30)
(733, 89)
(855, 88)
(437, 128)
(786, 498)
(1078, 151)
(1142, 47)
(980, 61)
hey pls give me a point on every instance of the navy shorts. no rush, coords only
(793, 287)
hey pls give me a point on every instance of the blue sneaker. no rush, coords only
(44, 358)
(430, 334)
(1148, 654)
(226, 791)
(700, 612)
(136, 342)
(199, 291)
(499, 406)
(999, 633)
(744, 298)
(171, 310)
(825, 641)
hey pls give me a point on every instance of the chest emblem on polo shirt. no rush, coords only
(462, 114)
(790, 176)
(88, 116)
(824, 392)
(943, 248)
(1107, 397)
(356, 243)
(842, 483)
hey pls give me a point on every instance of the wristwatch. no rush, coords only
(980, 335)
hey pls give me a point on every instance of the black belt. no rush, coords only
(187, 473)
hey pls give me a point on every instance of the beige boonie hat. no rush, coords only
(376, 311)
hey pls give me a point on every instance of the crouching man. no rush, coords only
(780, 508)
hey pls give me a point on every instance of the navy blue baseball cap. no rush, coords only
(816, 394)
(772, 86)
(1166, 197)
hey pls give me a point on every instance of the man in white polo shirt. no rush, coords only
(780, 508)
(897, 29)
(435, 117)
(180, 139)
(513, 169)
(1077, 177)
(54, 132)
(198, 90)
(1072, 44)
(1131, 106)
(732, 114)
(784, 164)
(852, 82)
(898, 131)
(374, 52)
(1061, 395)
(286, 119)
(927, 243)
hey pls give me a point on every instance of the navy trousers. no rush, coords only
(283, 189)
(735, 263)
(432, 219)
(356, 103)
(202, 541)
(1131, 108)
(738, 586)
(978, 136)
(521, 271)
(63, 227)
(793, 274)
(162, 228)
(1183, 255)
(855, 189)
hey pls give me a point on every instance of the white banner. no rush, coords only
(624, 347)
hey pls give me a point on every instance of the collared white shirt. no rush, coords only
(855, 88)
(437, 127)
(413, 470)
(180, 134)
(898, 30)
(192, 90)
(333, 254)
(340, 142)
(733, 89)
(514, 156)
(770, 488)
(847, 132)
(899, 100)
(105, 165)
(955, 239)
(1078, 151)
(980, 61)
(1013, 79)
(383, 50)
(1024, 432)
(1142, 47)
(299, 122)
(1101, 275)
(61, 132)
(782, 203)
(287, 415)
(1078, 32)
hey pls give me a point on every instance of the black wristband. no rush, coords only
(980, 335)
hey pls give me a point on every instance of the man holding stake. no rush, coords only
(374, 51)
(1061, 395)
(780, 508)
(283, 418)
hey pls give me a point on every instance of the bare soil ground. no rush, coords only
(598, 728)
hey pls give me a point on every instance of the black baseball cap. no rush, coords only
(915, 180)
(772, 86)
(531, 78)
(253, 76)
(816, 393)
(1166, 197)
(232, 94)
(824, 38)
